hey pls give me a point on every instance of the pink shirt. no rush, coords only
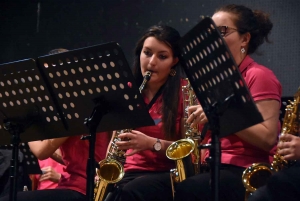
(262, 84)
(47, 184)
(148, 160)
(75, 154)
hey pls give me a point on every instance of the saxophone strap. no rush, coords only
(158, 93)
(204, 131)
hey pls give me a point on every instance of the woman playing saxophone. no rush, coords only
(244, 31)
(147, 167)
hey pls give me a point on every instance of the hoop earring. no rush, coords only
(243, 50)
(172, 72)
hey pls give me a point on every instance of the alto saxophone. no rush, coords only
(257, 174)
(185, 152)
(111, 169)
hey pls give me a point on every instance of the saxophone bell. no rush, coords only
(180, 151)
(256, 176)
(110, 171)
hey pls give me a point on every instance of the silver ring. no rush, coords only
(129, 141)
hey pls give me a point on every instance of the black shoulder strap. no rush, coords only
(159, 92)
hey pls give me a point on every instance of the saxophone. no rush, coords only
(185, 152)
(257, 174)
(111, 169)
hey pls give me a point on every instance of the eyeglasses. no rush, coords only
(224, 30)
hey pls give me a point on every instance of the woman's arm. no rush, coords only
(57, 156)
(45, 149)
(263, 135)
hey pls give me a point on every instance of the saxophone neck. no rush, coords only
(189, 99)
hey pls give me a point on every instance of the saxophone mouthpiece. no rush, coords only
(148, 75)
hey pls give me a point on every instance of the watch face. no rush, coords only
(157, 146)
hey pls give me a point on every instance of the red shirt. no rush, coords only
(262, 84)
(148, 160)
(75, 154)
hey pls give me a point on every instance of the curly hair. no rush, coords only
(256, 22)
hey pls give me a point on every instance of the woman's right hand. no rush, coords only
(289, 147)
(196, 115)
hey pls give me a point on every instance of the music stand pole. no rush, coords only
(215, 161)
(14, 130)
(92, 123)
(215, 146)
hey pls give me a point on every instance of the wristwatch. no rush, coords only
(157, 145)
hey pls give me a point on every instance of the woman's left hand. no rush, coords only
(196, 115)
(138, 141)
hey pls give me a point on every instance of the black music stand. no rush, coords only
(102, 74)
(24, 98)
(219, 87)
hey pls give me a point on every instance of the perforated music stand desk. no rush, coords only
(64, 88)
(219, 87)
(79, 76)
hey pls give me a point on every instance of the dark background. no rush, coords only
(30, 28)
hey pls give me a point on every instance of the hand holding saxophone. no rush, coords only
(196, 115)
(138, 142)
(289, 147)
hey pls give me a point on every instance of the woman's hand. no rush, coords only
(289, 147)
(196, 115)
(50, 174)
(138, 141)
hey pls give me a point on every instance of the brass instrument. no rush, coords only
(111, 169)
(257, 174)
(185, 151)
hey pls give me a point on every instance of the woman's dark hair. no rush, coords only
(256, 22)
(171, 90)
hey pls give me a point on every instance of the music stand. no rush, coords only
(23, 98)
(219, 87)
(102, 74)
